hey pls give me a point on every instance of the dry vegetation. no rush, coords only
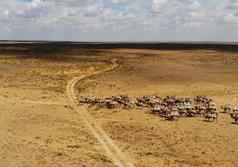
(39, 128)
(150, 140)
(50, 73)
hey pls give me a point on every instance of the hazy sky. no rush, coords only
(114, 20)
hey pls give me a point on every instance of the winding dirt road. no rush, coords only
(113, 151)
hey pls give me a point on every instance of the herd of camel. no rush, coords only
(170, 107)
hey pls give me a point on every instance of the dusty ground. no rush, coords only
(40, 128)
(152, 141)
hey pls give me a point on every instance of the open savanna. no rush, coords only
(40, 128)
(150, 140)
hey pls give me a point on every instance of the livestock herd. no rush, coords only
(169, 108)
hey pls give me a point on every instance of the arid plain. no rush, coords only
(40, 127)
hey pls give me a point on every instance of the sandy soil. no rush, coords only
(39, 127)
(152, 141)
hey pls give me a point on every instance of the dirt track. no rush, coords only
(38, 127)
(113, 151)
(41, 127)
(150, 140)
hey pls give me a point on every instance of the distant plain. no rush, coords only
(40, 128)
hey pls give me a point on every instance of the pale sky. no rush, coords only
(119, 20)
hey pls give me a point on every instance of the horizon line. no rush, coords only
(116, 42)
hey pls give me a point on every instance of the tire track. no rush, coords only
(113, 151)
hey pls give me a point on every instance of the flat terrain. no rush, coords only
(39, 126)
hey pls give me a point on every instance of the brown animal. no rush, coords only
(211, 113)
(172, 115)
(211, 116)
(190, 110)
(227, 108)
(157, 109)
(234, 116)
(200, 110)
